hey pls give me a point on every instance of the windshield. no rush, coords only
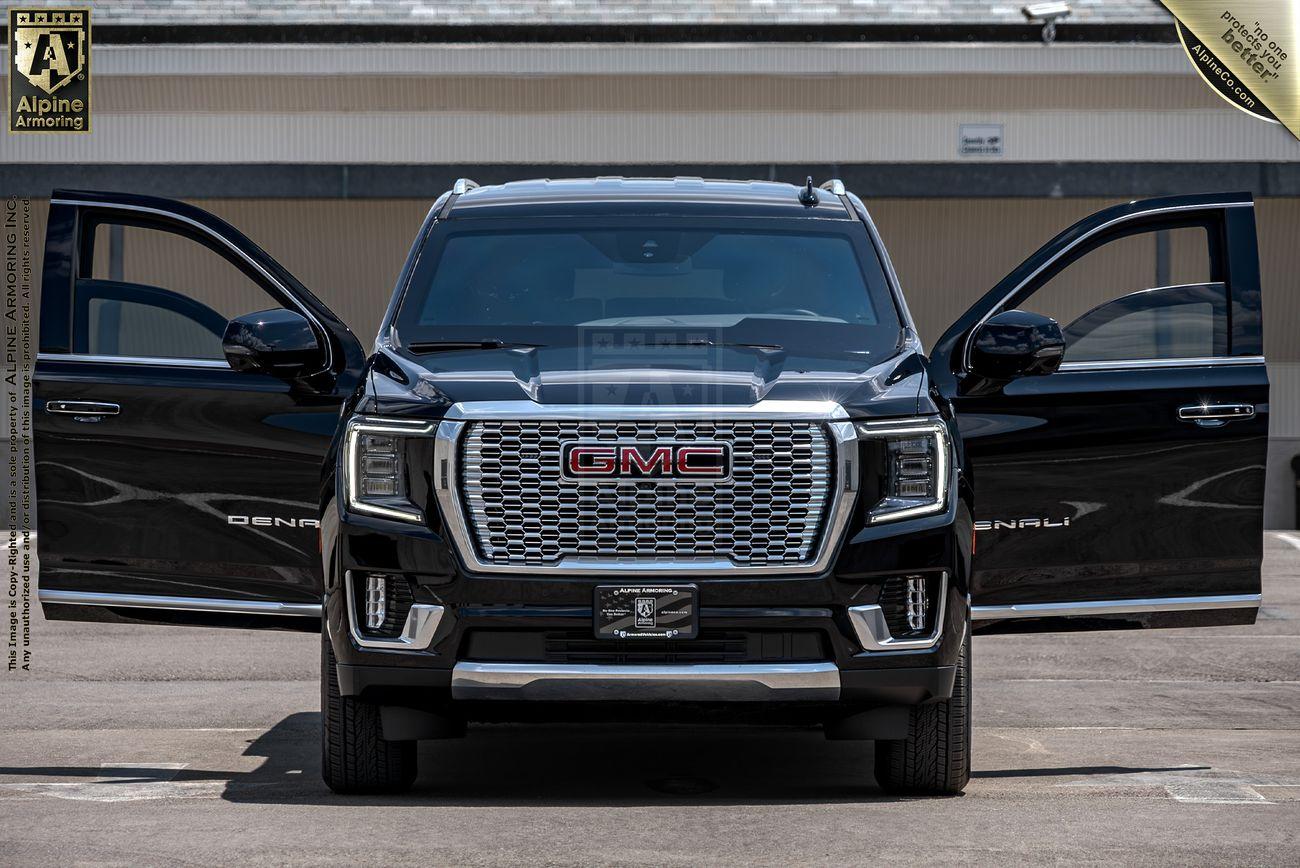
(770, 283)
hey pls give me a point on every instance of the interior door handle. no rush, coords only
(82, 408)
(1214, 415)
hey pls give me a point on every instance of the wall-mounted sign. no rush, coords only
(979, 140)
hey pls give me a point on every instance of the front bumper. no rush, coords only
(471, 657)
(494, 644)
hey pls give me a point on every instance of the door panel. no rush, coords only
(159, 498)
(1097, 504)
(1088, 487)
(198, 500)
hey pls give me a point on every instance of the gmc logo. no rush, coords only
(646, 460)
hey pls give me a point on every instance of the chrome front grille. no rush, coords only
(522, 511)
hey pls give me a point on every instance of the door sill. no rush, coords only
(178, 604)
(1086, 608)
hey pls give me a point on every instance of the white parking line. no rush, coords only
(118, 783)
(1288, 538)
(1195, 785)
(1133, 681)
(1032, 745)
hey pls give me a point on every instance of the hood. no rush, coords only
(727, 376)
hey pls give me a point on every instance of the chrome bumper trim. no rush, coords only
(178, 604)
(693, 682)
(417, 632)
(1116, 607)
(873, 631)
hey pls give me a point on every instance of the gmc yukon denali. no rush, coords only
(650, 448)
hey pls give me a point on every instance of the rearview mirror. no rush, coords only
(1016, 343)
(277, 342)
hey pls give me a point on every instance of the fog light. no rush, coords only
(918, 604)
(376, 601)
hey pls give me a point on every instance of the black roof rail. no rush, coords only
(462, 185)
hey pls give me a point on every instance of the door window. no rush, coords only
(1171, 322)
(1148, 295)
(146, 292)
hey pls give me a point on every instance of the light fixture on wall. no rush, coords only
(1048, 14)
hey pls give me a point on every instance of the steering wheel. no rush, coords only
(796, 311)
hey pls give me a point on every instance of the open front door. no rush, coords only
(170, 487)
(1126, 487)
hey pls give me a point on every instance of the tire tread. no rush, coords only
(355, 757)
(934, 759)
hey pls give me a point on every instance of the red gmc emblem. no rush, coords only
(646, 460)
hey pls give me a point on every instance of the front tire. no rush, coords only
(355, 757)
(934, 759)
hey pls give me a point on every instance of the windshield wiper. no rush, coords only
(424, 347)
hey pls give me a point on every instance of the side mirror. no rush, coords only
(1016, 343)
(277, 342)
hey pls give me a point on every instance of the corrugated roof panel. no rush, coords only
(627, 12)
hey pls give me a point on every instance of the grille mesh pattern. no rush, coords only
(522, 511)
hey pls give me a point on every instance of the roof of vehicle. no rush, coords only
(611, 195)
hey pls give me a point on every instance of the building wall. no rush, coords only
(683, 103)
(679, 119)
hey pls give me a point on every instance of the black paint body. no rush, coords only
(141, 502)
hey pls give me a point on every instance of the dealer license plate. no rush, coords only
(646, 612)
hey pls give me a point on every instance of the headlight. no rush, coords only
(374, 467)
(905, 468)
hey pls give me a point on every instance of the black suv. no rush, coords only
(648, 448)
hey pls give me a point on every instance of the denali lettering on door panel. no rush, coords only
(1022, 523)
(271, 521)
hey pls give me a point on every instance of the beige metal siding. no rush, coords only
(588, 104)
(655, 137)
(136, 94)
(348, 252)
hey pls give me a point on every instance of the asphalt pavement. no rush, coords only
(152, 745)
